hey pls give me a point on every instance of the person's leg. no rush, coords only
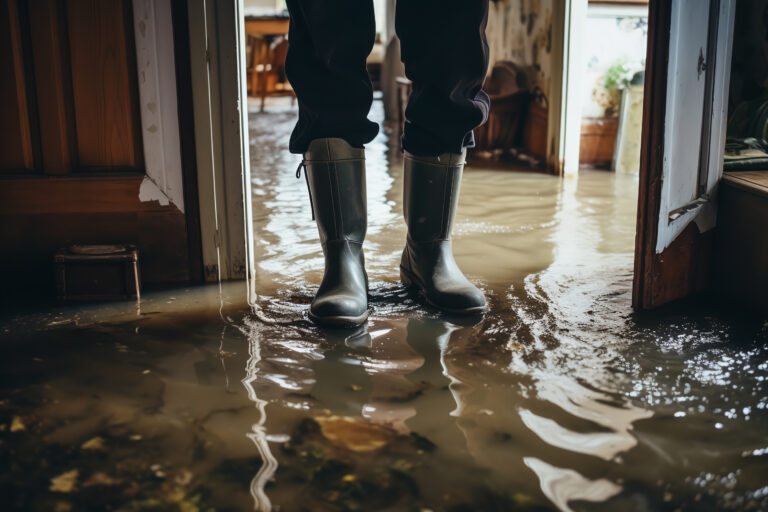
(328, 43)
(445, 52)
(335, 173)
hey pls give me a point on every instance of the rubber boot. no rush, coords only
(335, 173)
(430, 198)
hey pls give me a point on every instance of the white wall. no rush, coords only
(613, 34)
(265, 5)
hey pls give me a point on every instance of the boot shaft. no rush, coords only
(431, 195)
(335, 174)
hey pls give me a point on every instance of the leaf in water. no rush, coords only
(65, 482)
(100, 478)
(17, 425)
(355, 434)
(95, 443)
(184, 477)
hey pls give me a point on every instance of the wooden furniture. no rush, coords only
(267, 48)
(535, 130)
(71, 154)
(755, 182)
(506, 86)
(740, 268)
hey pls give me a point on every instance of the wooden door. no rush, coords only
(687, 74)
(71, 151)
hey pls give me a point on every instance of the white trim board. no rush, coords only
(153, 30)
(566, 95)
(218, 89)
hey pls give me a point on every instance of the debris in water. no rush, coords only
(184, 477)
(17, 425)
(65, 321)
(62, 506)
(355, 434)
(65, 482)
(101, 479)
(157, 469)
(95, 443)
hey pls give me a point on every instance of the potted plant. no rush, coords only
(598, 134)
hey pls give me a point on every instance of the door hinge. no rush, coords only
(701, 67)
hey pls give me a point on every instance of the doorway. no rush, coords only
(555, 257)
(613, 57)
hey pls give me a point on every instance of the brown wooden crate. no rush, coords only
(97, 277)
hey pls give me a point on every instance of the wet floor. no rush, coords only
(559, 398)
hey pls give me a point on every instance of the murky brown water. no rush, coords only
(559, 398)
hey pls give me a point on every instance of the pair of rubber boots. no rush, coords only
(335, 173)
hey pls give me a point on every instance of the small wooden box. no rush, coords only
(97, 272)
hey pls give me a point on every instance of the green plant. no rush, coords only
(617, 77)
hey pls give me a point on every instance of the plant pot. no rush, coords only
(598, 137)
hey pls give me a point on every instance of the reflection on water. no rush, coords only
(559, 398)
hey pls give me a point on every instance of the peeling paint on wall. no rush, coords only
(521, 31)
(149, 191)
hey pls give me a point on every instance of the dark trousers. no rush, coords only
(443, 47)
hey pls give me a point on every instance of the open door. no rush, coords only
(684, 118)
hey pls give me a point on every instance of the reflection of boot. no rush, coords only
(335, 174)
(431, 195)
(436, 409)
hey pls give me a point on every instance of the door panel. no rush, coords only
(694, 133)
(682, 147)
(16, 141)
(50, 62)
(685, 98)
(103, 88)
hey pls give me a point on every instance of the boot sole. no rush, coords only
(340, 322)
(410, 281)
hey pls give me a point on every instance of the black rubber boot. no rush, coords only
(430, 198)
(335, 173)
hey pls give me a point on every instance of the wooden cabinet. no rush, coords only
(71, 150)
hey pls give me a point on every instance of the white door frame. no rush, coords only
(569, 18)
(217, 55)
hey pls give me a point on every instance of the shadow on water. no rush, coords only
(559, 398)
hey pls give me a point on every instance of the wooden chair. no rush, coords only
(266, 67)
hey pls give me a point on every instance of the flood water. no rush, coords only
(559, 398)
